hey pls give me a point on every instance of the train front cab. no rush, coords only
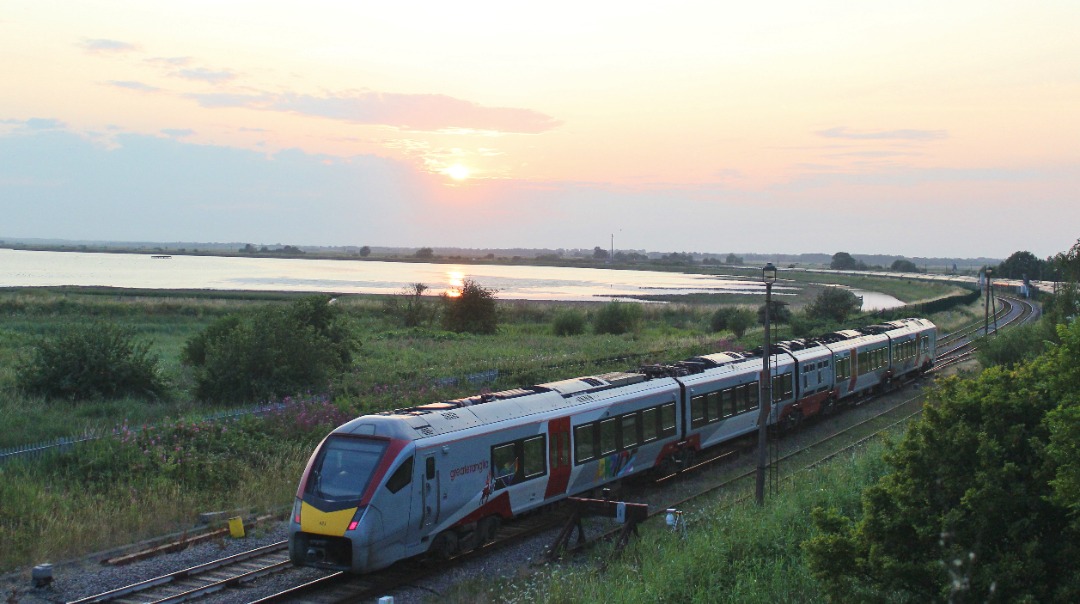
(337, 523)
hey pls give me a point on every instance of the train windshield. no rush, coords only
(344, 468)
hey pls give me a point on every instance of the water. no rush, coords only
(142, 271)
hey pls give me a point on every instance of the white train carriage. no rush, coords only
(440, 477)
(723, 401)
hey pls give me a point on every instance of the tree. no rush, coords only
(91, 361)
(1021, 265)
(425, 252)
(834, 304)
(473, 311)
(365, 252)
(980, 500)
(843, 261)
(270, 352)
(901, 265)
(599, 253)
(733, 259)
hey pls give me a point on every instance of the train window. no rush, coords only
(401, 476)
(753, 395)
(667, 419)
(584, 445)
(649, 419)
(533, 453)
(716, 408)
(629, 431)
(429, 469)
(727, 402)
(505, 464)
(608, 440)
(843, 368)
(697, 411)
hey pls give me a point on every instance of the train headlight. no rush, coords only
(356, 519)
(296, 510)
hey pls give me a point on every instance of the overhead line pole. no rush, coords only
(768, 275)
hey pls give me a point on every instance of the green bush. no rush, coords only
(732, 318)
(93, 361)
(272, 352)
(834, 303)
(568, 323)
(616, 318)
(473, 311)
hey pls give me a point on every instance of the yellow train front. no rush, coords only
(341, 519)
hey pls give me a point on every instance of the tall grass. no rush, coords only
(731, 552)
(147, 481)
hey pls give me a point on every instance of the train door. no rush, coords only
(430, 491)
(558, 457)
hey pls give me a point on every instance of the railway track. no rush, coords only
(961, 345)
(202, 580)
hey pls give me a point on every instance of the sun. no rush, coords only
(457, 172)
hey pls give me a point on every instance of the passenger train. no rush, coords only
(440, 478)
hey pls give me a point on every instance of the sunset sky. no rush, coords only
(920, 129)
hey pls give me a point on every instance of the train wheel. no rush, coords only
(445, 545)
(792, 422)
(489, 528)
(687, 459)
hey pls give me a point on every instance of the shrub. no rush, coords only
(270, 353)
(568, 323)
(732, 318)
(410, 307)
(91, 361)
(473, 311)
(616, 318)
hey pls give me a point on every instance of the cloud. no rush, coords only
(205, 75)
(177, 132)
(172, 61)
(905, 134)
(426, 112)
(36, 123)
(876, 154)
(101, 45)
(131, 85)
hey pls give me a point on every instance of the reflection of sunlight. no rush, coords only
(455, 281)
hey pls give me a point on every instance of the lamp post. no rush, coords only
(986, 313)
(768, 275)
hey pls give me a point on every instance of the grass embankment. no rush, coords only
(144, 482)
(730, 551)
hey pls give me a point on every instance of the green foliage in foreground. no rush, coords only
(981, 500)
(474, 311)
(617, 318)
(731, 552)
(569, 322)
(145, 481)
(734, 318)
(91, 362)
(272, 352)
